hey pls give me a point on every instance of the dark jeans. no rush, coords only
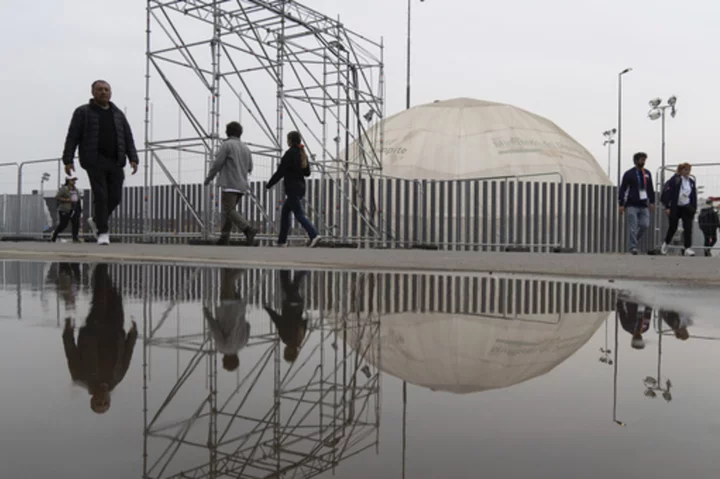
(710, 240)
(293, 205)
(686, 214)
(106, 181)
(65, 219)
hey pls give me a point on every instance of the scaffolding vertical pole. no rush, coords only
(279, 68)
(146, 171)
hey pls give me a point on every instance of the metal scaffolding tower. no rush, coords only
(282, 66)
(275, 419)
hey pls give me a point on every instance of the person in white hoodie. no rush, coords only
(228, 325)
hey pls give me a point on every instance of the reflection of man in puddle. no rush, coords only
(290, 323)
(103, 352)
(677, 322)
(229, 326)
(634, 320)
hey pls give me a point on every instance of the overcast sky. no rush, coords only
(556, 58)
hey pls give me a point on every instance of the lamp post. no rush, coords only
(657, 111)
(407, 84)
(619, 128)
(45, 177)
(609, 141)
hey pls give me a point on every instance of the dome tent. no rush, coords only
(466, 138)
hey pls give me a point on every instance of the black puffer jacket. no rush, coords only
(290, 169)
(84, 132)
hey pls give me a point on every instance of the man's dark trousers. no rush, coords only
(106, 181)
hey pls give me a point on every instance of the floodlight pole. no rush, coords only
(619, 141)
(407, 81)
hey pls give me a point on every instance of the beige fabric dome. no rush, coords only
(465, 138)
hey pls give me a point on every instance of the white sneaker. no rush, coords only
(664, 249)
(281, 245)
(315, 241)
(93, 227)
(103, 239)
(689, 252)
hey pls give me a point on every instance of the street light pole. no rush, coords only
(407, 81)
(609, 142)
(619, 140)
(657, 112)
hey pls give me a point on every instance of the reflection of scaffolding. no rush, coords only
(300, 419)
(328, 84)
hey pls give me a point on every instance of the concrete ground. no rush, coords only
(698, 270)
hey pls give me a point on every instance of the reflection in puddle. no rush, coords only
(260, 373)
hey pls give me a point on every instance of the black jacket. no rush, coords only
(632, 183)
(709, 221)
(290, 169)
(671, 194)
(84, 130)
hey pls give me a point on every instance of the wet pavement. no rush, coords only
(258, 373)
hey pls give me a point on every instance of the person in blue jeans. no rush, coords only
(637, 201)
(293, 169)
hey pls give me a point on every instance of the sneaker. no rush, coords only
(103, 239)
(634, 252)
(93, 227)
(223, 241)
(664, 249)
(689, 252)
(281, 245)
(77, 240)
(315, 241)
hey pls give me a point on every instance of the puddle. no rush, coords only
(263, 373)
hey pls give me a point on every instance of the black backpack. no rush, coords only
(708, 220)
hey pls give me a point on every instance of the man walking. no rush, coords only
(233, 164)
(105, 140)
(637, 200)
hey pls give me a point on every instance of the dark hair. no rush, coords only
(234, 129)
(294, 138)
(98, 81)
(231, 362)
(639, 156)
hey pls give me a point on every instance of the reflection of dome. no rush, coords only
(463, 354)
(465, 138)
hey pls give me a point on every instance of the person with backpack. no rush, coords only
(69, 209)
(637, 200)
(709, 224)
(293, 168)
(680, 200)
